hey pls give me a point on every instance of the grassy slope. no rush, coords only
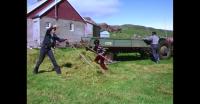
(129, 30)
(128, 82)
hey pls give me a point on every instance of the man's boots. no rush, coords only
(35, 71)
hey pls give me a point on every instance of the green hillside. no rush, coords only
(128, 31)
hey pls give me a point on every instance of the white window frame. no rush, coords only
(47, 25)
(71, 27)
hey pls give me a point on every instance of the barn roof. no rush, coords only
(89, 20)
(48, 8)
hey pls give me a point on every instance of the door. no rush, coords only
(36, 32)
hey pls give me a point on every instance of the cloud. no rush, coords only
(96, 8)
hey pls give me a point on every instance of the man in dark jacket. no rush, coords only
(48, 43)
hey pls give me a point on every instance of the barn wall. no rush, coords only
(63, 30)
(30, 33)
(88, 30)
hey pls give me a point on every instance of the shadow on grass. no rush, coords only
(130, 58)
(68, 65)
(43, 71)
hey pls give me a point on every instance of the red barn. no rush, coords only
(45, 13)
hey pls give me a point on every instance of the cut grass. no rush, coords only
(127, 82)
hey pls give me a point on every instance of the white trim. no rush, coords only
(48, 25)
(34, 6)
(48, 7)
(71, 27)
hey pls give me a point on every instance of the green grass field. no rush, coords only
(127, 82)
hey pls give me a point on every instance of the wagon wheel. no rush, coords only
(109, 56)
(144, 53)
(164, 50)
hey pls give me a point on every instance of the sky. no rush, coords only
(151, 13)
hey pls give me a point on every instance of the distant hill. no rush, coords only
(131, 31)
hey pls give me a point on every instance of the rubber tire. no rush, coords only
(164, 50)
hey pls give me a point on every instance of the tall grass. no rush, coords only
(127, 82)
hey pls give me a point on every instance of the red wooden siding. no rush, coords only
(65, 11)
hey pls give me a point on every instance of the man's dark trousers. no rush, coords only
(43, 52)
(154, 48)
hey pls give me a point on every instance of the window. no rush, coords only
(71, 28)
(47, 25)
